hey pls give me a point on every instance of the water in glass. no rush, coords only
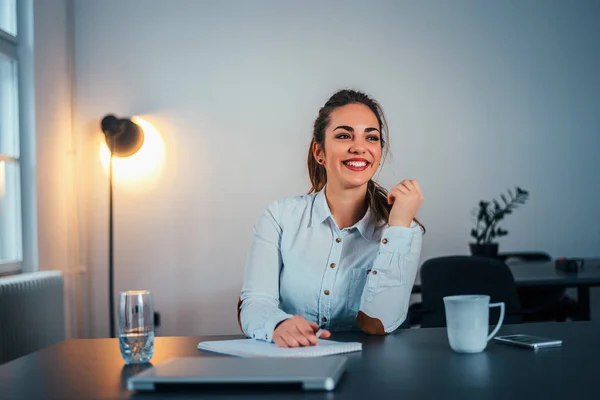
(137, 347)
(136, 326)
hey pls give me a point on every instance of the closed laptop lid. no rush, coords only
(318, 373)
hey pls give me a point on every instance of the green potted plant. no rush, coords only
(487, 217)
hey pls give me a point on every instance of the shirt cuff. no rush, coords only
(397, 239)
(266, 333)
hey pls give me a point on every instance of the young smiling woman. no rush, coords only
(344, 256)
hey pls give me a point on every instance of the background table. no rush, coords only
(415, 362)
(544, 273)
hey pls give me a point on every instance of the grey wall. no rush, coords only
(480, 96)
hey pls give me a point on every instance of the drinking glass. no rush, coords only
(136, 326)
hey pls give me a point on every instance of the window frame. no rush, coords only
(9, 44)
(12, 48)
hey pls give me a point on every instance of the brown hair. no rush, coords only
(376, 194)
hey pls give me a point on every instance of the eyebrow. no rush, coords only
(351, 129)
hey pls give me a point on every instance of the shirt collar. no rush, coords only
(321, 212)
(366, 226)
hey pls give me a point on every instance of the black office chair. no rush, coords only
(523, 257)
(415, 314)
(543, 303)
(455, 275)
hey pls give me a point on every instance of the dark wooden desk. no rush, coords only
(411, 363)
(545, 274)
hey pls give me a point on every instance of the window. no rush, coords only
(8, 17)
(11, 235)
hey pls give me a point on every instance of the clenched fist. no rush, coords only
(406, 198)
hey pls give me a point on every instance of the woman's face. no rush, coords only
(352, 146)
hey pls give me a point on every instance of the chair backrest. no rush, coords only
(523, 257)
(455, 275)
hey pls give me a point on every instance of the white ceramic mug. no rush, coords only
(467, 319)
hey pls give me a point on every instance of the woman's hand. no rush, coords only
(406, 198)
(297, 332)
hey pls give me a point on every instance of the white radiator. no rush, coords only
(31, 313)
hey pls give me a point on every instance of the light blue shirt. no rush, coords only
(300, 262)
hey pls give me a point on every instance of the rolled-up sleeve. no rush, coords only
(260, 310)
(387, 292)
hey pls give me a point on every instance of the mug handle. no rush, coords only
(500, 320)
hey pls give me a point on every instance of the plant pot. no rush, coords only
(484, 250)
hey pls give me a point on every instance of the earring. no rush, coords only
(320, 161)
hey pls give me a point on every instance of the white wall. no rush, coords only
(53, 122)
(56, 158)
(480, 96)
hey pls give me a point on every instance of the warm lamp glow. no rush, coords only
(2, 179)
(146, 163)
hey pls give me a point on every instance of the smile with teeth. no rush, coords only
(356, 165)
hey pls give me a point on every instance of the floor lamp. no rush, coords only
(123, 138)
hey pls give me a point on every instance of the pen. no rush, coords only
(319, 332)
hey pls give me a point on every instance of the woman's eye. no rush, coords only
(373, 138)
(342, 136)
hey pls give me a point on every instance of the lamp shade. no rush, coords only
(123, 136)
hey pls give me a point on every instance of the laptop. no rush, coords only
(317, 373)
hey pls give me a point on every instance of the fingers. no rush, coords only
(300, 338)
(413, 186)
(391, 197)
(397, 191)
(408, 185)
(305, 335)
(313, 325)
(403, 188)
(309, 331)
(407, 199)
(289, 340)
(325, 334)
(279, 341)
(417, 188)
(285, 339)
(297, 331)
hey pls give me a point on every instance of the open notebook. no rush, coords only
(259, 348)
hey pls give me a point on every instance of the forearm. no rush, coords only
(259, 315)
(385, 298)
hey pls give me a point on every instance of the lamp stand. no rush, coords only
(111, 299)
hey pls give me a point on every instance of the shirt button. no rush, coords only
(332, 265)
(326, 292)
(338, 240)
(374, 272)
(266, 337)
(324, 319)
(384, 241)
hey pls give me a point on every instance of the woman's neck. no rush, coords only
(347, 206)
